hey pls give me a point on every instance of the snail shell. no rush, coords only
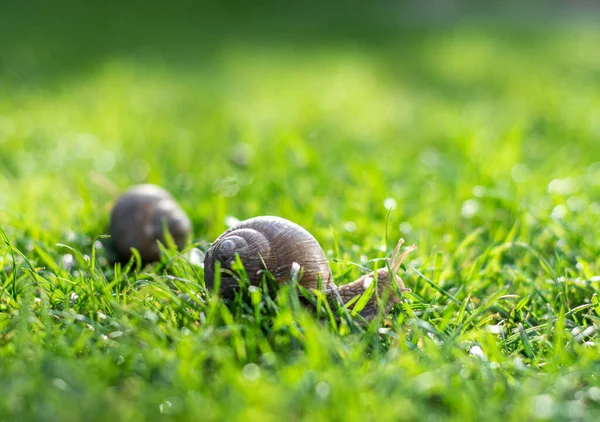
(267, 243)
(275, 244)
(138, 218)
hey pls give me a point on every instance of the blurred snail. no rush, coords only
(281, 247)
(139, 218)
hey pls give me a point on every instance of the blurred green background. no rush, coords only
(470, 128)
(314, 112)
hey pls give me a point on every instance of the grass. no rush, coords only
(477, 142)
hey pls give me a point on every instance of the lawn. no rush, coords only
(479, 141)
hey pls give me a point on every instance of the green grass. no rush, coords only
(486, 137)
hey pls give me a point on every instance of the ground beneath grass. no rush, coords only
(480, 142)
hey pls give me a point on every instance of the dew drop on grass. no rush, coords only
(435, 339)
(150, 316)
(60, 384)
(164, 407)
(594, 394)
(251, 372)
(322, 389)
(567, 186)
(389, 203)
(580, 333)
(295, 271)
(576, 203)
(115, 334)
(196, 257)
(405, 227)
(494, 329)
(519, 364)
(559, 212)
(542, 407)
(478, 191)
(470, 208)
(67, 261)
(477, 351)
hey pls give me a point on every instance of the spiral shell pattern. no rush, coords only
(267, 243)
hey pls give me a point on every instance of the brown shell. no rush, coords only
(137, 222)
(267, 243)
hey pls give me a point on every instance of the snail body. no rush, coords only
(139, 218)
(281, 247)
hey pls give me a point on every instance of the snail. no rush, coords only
(280, 246)
(139, 218)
